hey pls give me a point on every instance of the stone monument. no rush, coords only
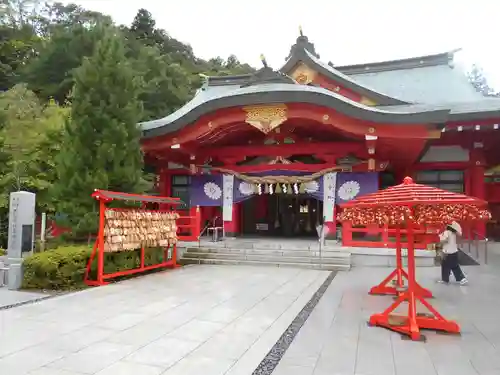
(21, 234)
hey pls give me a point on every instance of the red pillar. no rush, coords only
(195, 214)
(479, 191)
(477, 184)
(346, 234)
(164, 185)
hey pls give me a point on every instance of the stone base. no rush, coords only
(15, 276)
(380, 257)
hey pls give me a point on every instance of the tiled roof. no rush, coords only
(427, 84)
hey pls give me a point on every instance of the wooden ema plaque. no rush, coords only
(135, 229)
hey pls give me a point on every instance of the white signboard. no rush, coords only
(329, 188)
(227, 197)
(262, 226)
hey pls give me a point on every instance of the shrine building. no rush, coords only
(275, 152)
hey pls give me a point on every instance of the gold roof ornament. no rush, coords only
(300, 31)
(263, 59)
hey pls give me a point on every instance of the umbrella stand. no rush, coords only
(411, 323)
(397, 276)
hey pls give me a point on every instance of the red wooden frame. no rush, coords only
(386, 234)
(104, 196)
(411, 323)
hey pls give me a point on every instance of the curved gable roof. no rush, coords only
(211, 99)
(299, 53)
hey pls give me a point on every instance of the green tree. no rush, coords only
(144, 29)
(18, 46)
(56, 15)
(101, 144)
(50, 75)
(165, 87)
(29, 136)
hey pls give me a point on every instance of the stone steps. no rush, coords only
(273, 254)
(290, 258)
(276, 263)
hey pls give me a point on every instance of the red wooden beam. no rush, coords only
(325, 148)
(221, 119)
(299, 167)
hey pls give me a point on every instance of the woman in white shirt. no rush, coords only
(450, 254)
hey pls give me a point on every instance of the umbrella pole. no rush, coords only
(414, 332)
(397, 276)
(412, 323)
(399, 259)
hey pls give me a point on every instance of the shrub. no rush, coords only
(2, 252)
(64, 268)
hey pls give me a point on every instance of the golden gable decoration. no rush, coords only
(266, 117)
(303, 74)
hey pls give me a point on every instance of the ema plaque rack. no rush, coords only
(130, 229)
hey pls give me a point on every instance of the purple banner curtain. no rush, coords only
(242, 190)
(206, 190)
(352, 185)
(315, 188)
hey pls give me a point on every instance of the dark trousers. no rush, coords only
(450, 264)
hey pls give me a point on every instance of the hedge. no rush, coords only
(64, 268)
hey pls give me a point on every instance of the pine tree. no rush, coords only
(101, 146)
(144, 28)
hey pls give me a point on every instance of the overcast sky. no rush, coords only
(344, 31)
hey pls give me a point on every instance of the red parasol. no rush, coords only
(412, 205)
(420, 203)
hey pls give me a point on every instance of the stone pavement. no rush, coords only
(335, 340)
(14, 297)
(216, 320)
(196, 320)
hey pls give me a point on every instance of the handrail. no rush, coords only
(201, 234)
(211, 221)
(321, 242)
(480, 237)
(473, 243)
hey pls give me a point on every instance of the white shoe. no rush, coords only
(464, 281)
(442, 282)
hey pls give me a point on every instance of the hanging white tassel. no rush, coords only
(271, 191)
(296, 188)
(260, 189)
(284, 188)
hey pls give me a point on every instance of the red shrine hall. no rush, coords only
(274, 153)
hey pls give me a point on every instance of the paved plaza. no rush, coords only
(336, 340)
(216, 320)
(13, 297)
(196, 320)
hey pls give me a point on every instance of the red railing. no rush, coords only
(189, 224)
(382, 236)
